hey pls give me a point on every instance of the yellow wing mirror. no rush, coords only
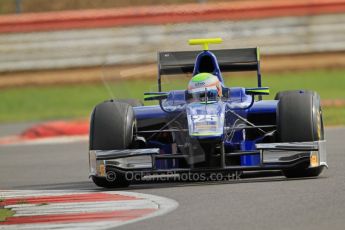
(205, 41)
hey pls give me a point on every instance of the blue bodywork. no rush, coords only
(209, 128)
(213, 58)
(237, 101)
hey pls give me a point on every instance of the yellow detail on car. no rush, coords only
(205, 41)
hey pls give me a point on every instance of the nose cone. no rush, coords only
(206, 121)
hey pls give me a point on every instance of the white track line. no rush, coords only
(74, 226)
(163, 206)
(81, 207)
(33, 193)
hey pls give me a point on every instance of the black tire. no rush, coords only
(112, 125)
(119, 182)
(303, 171)
(299, 118)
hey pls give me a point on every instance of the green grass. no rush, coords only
(5, 213)
(334, 116)
(77, 101)
(330, 84)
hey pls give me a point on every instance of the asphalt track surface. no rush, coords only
(269, 202)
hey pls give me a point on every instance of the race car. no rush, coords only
(207, 127)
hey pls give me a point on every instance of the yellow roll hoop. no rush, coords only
(205, 41)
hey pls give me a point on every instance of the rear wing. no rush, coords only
(229, 60)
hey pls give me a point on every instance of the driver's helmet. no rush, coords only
(205, 87)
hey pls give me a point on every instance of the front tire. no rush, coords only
(299, 119)
(112, 126)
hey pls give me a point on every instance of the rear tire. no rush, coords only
(112, 125)
(299, 119)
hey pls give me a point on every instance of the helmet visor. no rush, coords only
(204, 94)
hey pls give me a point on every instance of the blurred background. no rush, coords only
(59, 58)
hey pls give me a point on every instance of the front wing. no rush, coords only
(273, 156)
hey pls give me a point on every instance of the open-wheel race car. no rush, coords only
(207, 127)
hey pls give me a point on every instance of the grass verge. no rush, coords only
(77, 101)
(5, 213)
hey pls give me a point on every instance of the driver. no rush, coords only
(205, 87)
